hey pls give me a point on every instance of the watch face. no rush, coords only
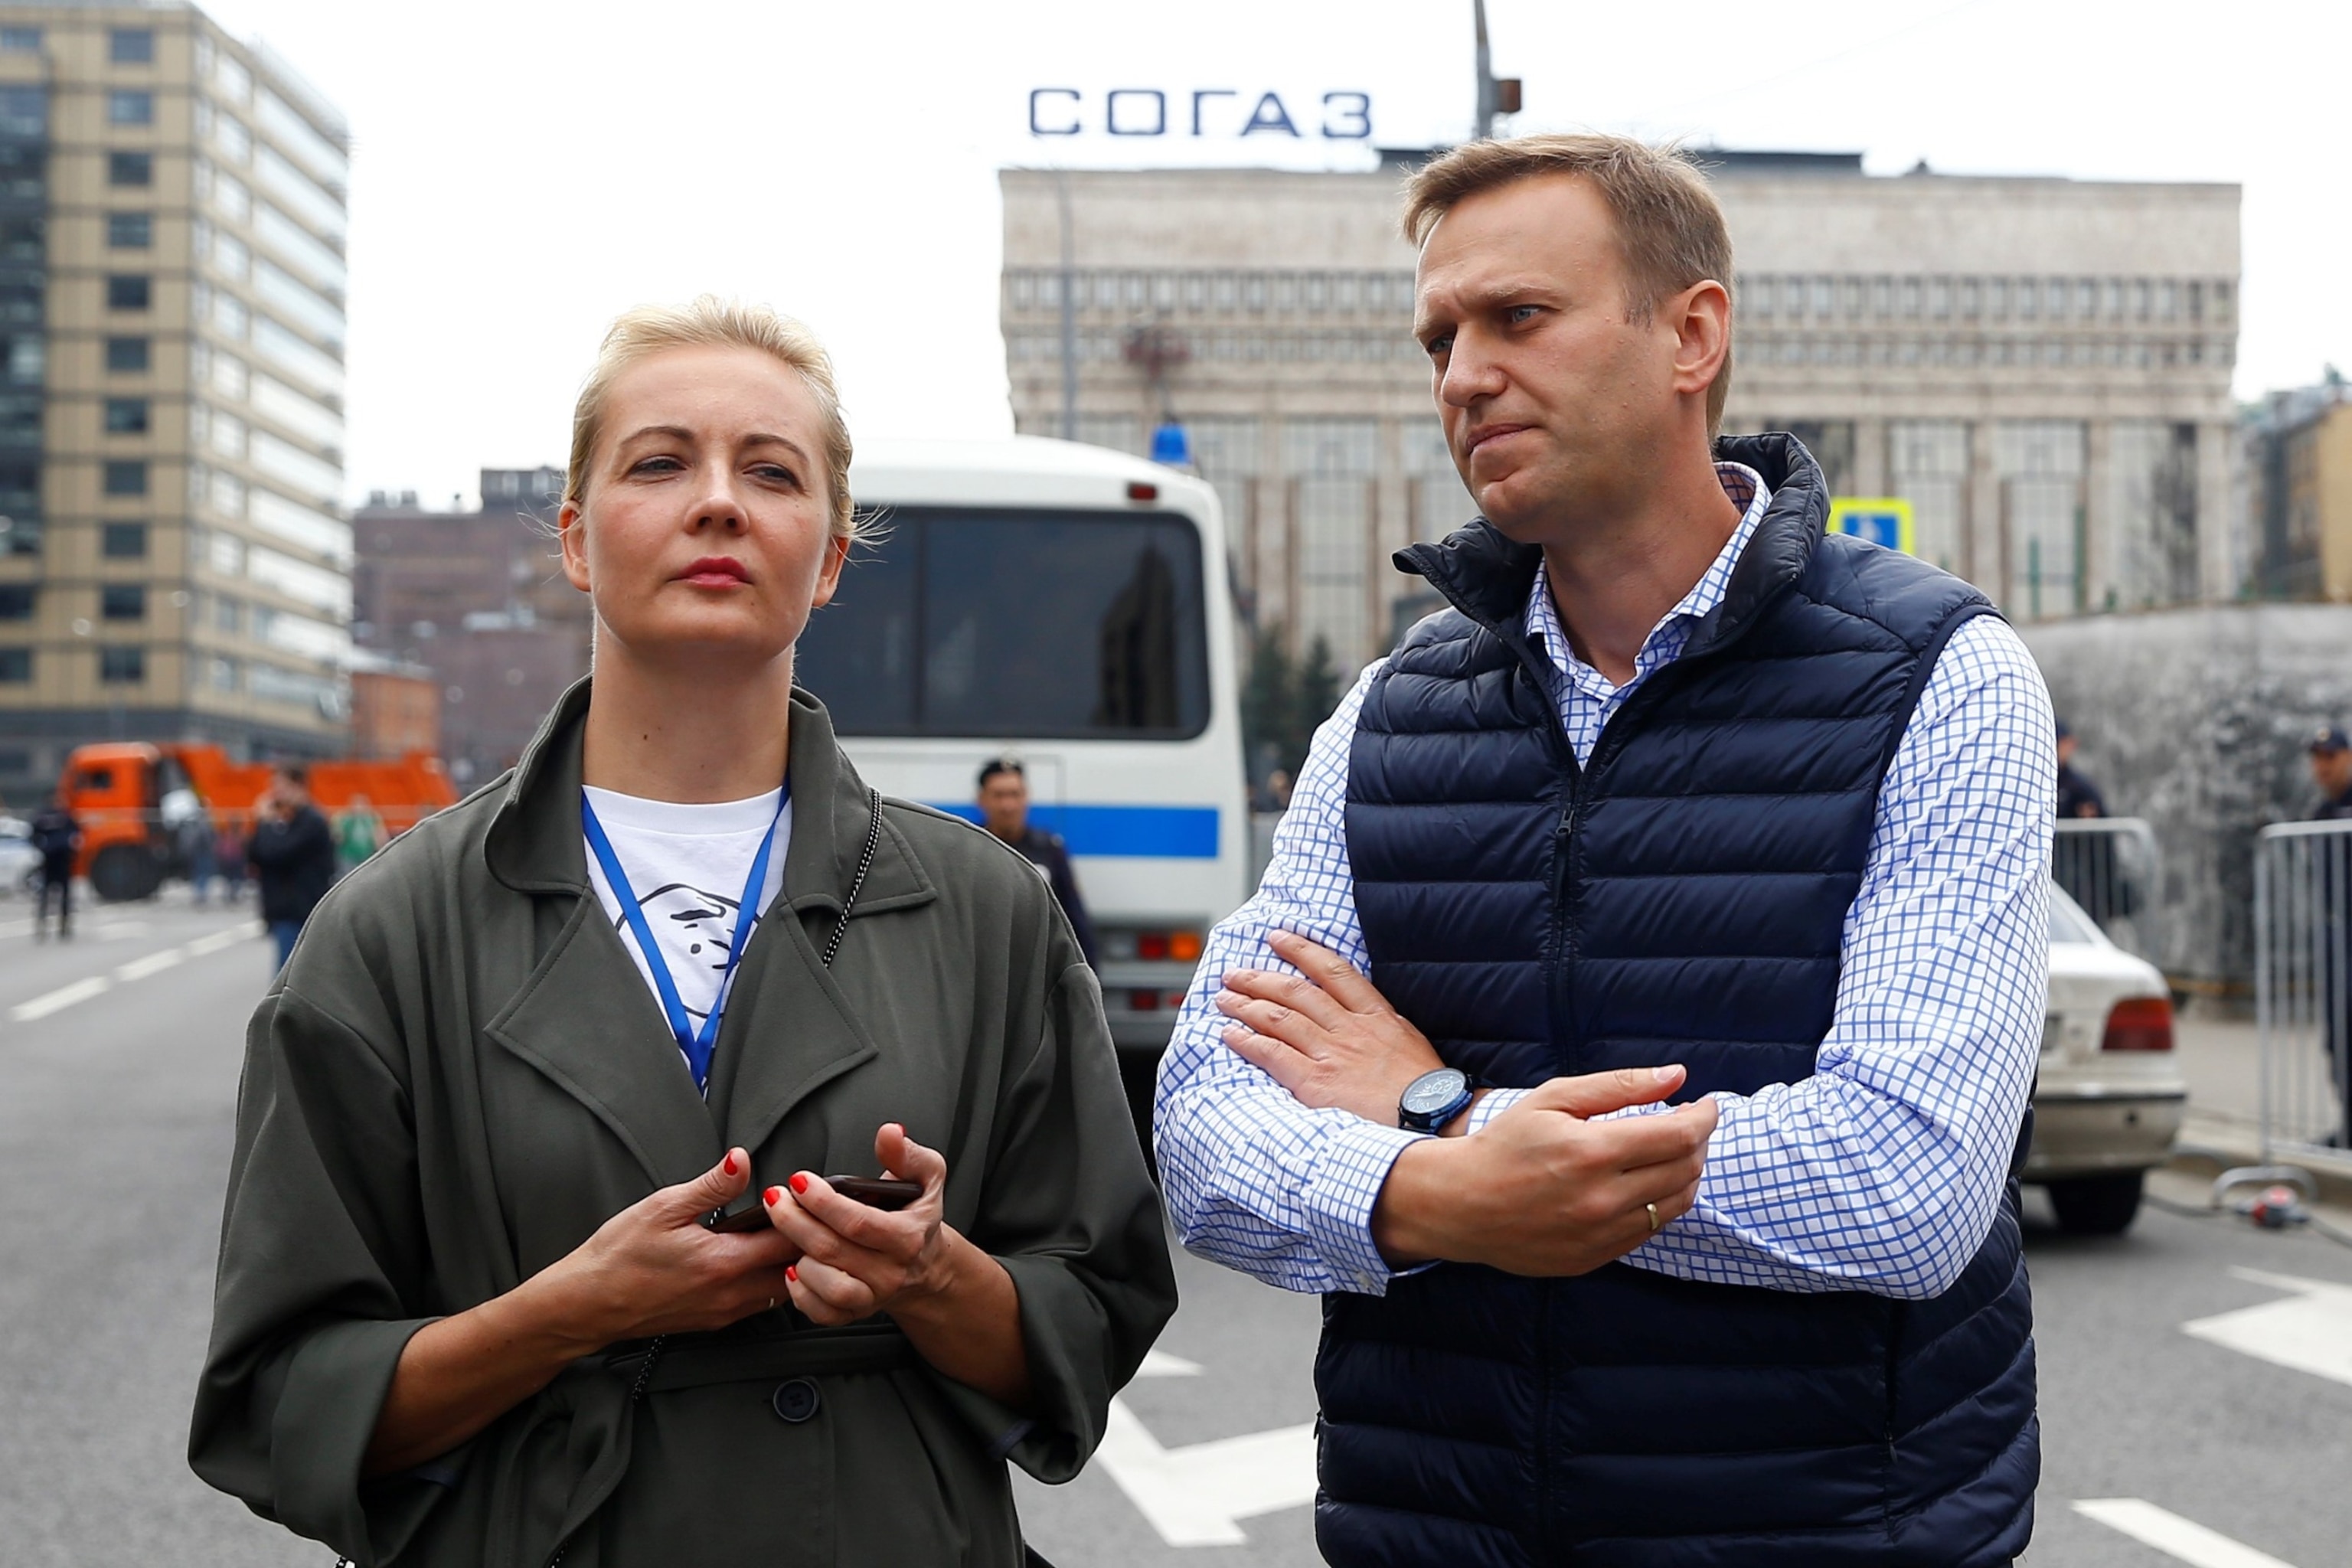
(1434, 1091)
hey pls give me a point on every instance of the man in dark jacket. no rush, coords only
(1685, 798)
(1004, 811)
(292, 853)
(2077, 796)
(2331, 771)
(56, 835)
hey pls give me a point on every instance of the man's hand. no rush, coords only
(1330, 1037)
(1543, 1190)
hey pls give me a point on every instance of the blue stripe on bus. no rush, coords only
(1158, 832)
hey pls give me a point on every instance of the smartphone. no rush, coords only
(872, 1191)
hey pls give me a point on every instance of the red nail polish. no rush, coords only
(800, 1181)
(728, 1165)
(792, 1273)
(773, 1196)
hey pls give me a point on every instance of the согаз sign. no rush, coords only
(1146, 111)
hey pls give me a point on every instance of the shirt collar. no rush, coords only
(1748, 491)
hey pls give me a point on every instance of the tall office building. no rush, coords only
(2041, 367)
(172, 228)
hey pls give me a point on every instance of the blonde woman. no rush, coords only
(680, 962)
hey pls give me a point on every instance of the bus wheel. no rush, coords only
(124, 872)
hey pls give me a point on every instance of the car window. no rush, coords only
(2067, 920)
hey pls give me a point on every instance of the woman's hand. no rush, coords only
(653, 1268)
(855, 1260)
(650, 1270)
(955, 1304)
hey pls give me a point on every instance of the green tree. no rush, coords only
(1284, 700)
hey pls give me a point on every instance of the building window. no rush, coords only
(123, 541)
(126, 478)
(130, 106)
(15, 665)
(18, 599)
(129, 231)
(126, 353)
(122, 602)
(228, 615)
(132, 46)
(130, 168)
(20, 40)
(121, 666)
(126, 416)
(129, 291)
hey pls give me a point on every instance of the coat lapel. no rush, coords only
(790, 1029)
(584, 1019)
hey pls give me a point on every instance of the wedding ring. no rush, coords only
(1653, 1217)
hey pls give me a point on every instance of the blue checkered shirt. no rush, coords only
(1881, 1172)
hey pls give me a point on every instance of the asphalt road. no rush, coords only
(119, 1056)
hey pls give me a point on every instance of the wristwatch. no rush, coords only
(1434, 1099)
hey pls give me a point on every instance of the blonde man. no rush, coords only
(1681, 801)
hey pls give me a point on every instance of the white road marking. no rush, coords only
(221, 939)
(2310, 1330)
(62, 998)
(1159, 1364)
(153, 963)
(1196, 1495)
(2176, 1537)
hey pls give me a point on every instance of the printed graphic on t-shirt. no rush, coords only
(695, 929)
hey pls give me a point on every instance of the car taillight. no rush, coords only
(1185, 946)
(2138, 1023)
(1152, 944)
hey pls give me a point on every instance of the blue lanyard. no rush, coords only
(695, 1046)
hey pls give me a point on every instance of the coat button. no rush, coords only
(796, 1401)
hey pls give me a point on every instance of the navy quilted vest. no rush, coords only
(1681, 899)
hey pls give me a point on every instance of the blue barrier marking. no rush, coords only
(1156, 832)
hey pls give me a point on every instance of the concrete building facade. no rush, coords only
(477, 599)
(173, 562)
(2040, 366)
(2298, 472)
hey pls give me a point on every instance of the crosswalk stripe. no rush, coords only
(2176, 1537)
(62, 998)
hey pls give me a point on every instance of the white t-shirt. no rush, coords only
(687, 866)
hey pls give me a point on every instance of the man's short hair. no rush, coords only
(293, 773)
(1670, 229)
(995, 766)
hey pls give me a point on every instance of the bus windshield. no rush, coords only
(1035, 624)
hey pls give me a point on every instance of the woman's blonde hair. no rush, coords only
(713, 321)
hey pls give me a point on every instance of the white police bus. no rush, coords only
(1067, 605)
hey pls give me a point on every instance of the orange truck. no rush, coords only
(124, 794)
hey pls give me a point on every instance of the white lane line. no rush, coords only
(2310, 1330)
(153, 963)
(2176, 1537)
(62, 998)
(1159, 1364)
(220, 939)
(1197, 1495)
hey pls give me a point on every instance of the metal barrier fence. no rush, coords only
(2113, 867)
(2303, 990)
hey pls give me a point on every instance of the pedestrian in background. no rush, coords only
(2077, 796)
(2331, 770)
(358, 833)
(229, 860)
(56, 835)
(292, 853)
(199, 839)
(1004, 811)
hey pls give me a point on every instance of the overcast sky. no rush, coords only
(520, 172)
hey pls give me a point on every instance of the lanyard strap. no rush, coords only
(696, 1045)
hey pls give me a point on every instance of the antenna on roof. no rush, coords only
(1495, 96)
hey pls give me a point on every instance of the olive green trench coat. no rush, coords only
(462, 1074)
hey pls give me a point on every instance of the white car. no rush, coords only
(20, 863)
(2110, 1094)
